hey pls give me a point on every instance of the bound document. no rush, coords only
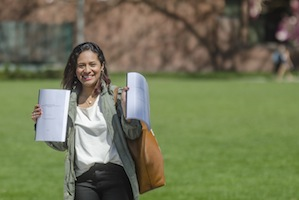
(138, 104)
(51, 126)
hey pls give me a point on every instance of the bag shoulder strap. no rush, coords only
(115, 93)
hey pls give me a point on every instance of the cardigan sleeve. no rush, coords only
(59, 146)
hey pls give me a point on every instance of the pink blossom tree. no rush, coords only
(288, 28)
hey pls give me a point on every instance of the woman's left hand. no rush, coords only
(124, 100)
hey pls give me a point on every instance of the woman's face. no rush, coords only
(88, 70)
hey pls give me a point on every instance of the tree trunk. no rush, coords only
(80, 22)
(244, 22)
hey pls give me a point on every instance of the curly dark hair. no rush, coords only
(70, 80)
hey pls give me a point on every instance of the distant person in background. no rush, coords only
(98, 165)
(283, 64)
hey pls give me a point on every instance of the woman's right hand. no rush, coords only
(36, 113)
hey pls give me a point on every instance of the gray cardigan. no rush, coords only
(117, 126)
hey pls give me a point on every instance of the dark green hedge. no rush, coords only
(19, 73)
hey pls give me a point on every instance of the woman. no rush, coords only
(98, 163)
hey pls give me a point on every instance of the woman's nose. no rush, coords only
(87, 69)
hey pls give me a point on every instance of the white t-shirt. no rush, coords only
(93, 144)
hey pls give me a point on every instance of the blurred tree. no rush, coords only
(288, 27)
(20, 9)
(174, 10)
(188, 29)
(189, 35)
(192, 32)
(80, 22)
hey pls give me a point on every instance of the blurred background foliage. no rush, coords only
(192, 36)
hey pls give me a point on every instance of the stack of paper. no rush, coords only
(138, 103)
(51, 126)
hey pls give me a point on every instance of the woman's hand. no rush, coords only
(124, 100)
(36, 113)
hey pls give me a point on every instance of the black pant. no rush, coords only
(104, 182)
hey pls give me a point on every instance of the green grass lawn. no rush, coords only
(222, 139)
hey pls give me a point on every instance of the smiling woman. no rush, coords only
(98, 162)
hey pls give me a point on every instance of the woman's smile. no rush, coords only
(87, 77)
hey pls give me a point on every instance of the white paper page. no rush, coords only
(138, 104)
(51, 126)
